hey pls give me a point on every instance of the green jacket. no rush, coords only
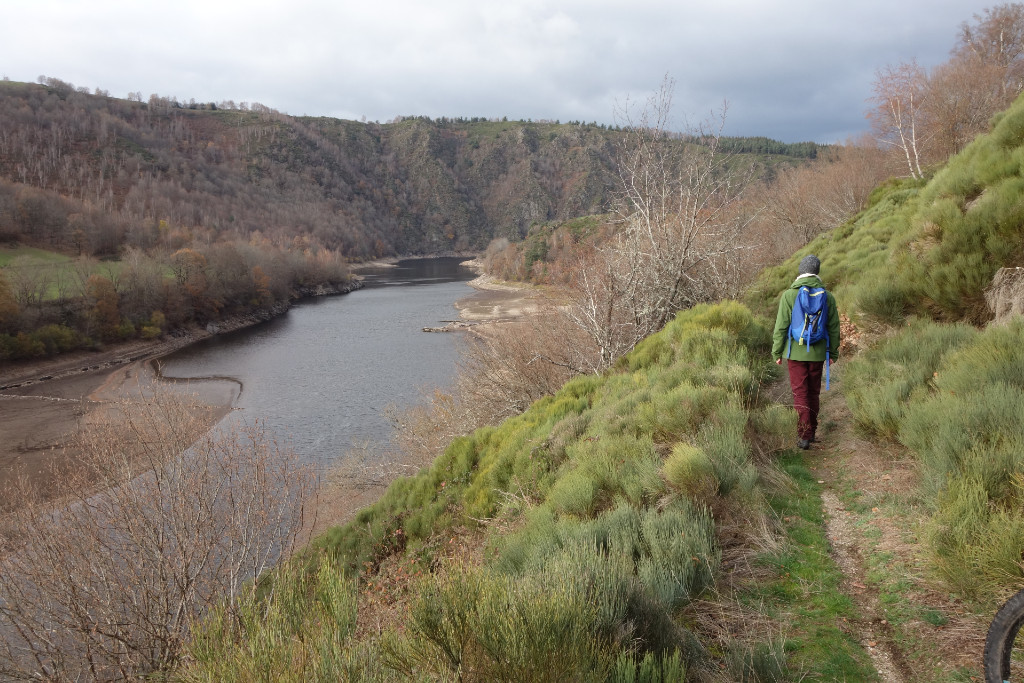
(816, 351)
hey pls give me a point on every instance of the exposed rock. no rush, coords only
(450, 326)
(1005, 296)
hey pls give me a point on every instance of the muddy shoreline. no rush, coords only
(44, 404)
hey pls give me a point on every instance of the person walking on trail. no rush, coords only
(806, 341)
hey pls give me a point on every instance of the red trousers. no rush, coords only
(805, 380)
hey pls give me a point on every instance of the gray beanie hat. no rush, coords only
(809, 264)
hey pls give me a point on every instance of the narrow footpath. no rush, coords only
(909, 624)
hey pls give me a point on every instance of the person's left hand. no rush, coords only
(778, 361)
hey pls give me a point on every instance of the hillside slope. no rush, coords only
(88, 173)
(628, 528)
(654, 523)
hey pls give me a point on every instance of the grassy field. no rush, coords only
(8, 254)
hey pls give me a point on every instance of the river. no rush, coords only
(321, 376)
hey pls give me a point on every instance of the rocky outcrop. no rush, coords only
(1005, 296)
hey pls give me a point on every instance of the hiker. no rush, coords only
(796, 340)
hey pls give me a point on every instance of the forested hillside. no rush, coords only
(123, 218)
(88, 173)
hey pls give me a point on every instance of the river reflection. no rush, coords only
(321, 376)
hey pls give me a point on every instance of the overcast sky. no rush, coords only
(792, 70)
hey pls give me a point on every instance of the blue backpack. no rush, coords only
(809, 323)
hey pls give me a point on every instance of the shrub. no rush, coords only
(978, 548)
(653, 668)
(962, 414)
(492, 628)
(723, 440)
(689, 469)
(675, 413)
(774, 425)
(297, 631)
(566, 432)
(879, 382)
(997, 355)
(758, 662)
(635, 566)
(681, 555)
(58, 338)
(613, 467)
(573, 494)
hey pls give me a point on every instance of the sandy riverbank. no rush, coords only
(39, 421)
(43, 404)
(497, 301)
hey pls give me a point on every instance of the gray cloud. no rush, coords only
(792, 70)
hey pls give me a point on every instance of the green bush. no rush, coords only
(997, 355)
(299, 631)
(150, 332)
(879, 382)
(775, 425)
(757, 663)
(635, 566)
(689, 470)
(977, 433)
(126, 330)
(489, 627)
(58, 339)
(955, 397)
(604, 470)
(978, 548)
(653, 668)
(674, 413)
(681, 555)
(723, 440)
(574, 494)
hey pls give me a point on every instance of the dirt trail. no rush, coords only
(911, 627)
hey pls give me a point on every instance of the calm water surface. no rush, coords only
(321, 375)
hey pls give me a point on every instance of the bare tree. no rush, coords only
(29, 278)
(680, 233)
(897, 117)
(157, 523)
(963, 95)
(804, 201)
(997, 38)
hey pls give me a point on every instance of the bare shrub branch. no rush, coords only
(159, 522)
(680, 235)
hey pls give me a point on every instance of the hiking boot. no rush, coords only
(803, 444)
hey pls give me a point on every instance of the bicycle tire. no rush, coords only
(1002, 633)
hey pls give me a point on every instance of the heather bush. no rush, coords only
(879, 382)
(298, 629)
(955, 397)
(689, 470)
